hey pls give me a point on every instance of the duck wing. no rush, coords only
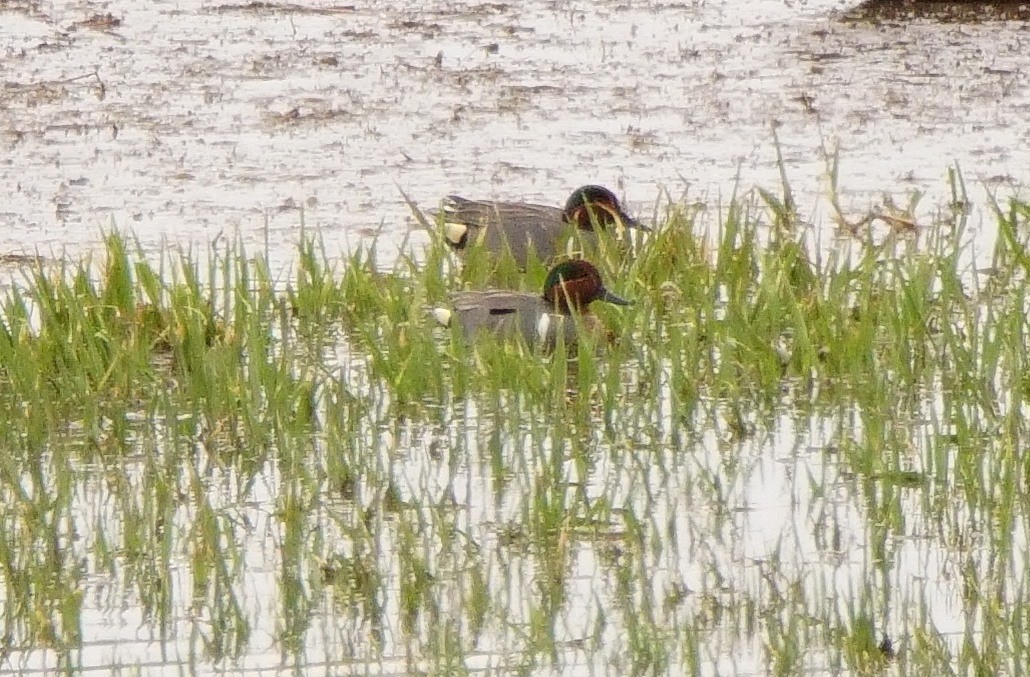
(482, 213)
(500, 312)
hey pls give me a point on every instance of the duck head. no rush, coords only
(576, 284)
(596, 204)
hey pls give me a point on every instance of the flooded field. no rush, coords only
(210, 475)
(183, 120)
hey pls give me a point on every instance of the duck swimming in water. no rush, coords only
(570, 287)
(523, 227)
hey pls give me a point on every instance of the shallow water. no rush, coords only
(676, 537)
(203, 118)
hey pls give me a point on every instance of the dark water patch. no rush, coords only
(958, 11)
(98, 22)
(21, 260)
(283, 8)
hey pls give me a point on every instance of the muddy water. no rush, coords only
(183, 120)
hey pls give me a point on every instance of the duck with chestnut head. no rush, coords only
(570, 288)
(523, 227)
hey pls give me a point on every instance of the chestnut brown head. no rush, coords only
(590, 205)
(576, 284)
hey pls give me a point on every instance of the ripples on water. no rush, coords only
(201, 119)
(204, 118)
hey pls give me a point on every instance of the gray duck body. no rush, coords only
(519, 227)
(523, 227)
(508, 314)
(560, 313)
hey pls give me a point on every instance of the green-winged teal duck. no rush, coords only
(573, 284)
(523, 227)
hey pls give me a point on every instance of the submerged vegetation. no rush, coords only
(792, 456)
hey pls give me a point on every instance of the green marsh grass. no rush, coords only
(791, 455)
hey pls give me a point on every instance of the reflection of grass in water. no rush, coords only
(172, 431)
